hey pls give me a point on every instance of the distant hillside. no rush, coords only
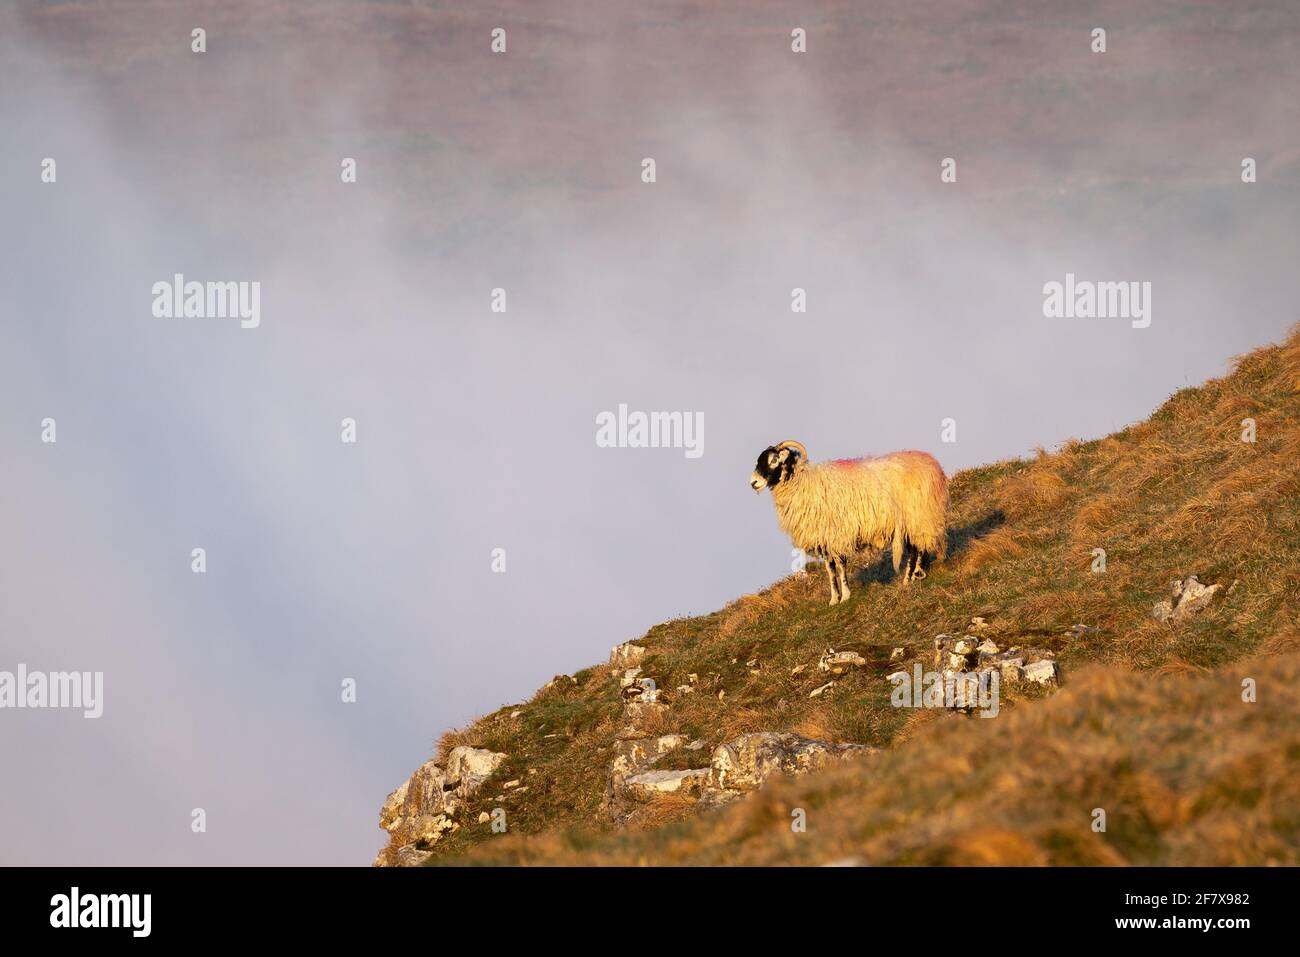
(1148, 722)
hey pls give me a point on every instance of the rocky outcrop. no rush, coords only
(632, 778)
(974, 655)
(626, 655)
(971, 665)
(1187, 597)
(423, 809)
(744, 763)
(736, 768)
(649, 785)
(633, 756)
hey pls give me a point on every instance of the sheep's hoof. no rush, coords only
(918, 574)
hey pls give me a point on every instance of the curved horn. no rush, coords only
(792, 444)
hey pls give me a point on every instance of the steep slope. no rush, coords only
(1185, 769)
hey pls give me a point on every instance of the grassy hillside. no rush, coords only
(1148, 724)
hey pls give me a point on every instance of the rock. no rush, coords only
(744, 763)
(898, 654)
(986, 649)
(637, 712)
(978, 624)
(484, 817)
(560, 681)
(626, 655)
(511, 784)
(1009, 664)
(712, 798)
(965, 646)
(1041, 672)
(633, 756)
(896, 677)
(837, 662)
(429, 831)
(515, 714)
(1188, 596)
(648, 785)
(633, 759)
(798, 670)
(629, 676)
(736, 767)
(818, 692)
(942, 646)
(961, 688)
(422, 795)
(467, 768)
(423, 808)
(408, 855)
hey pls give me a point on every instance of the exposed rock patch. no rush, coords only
(626, 655)
(423, 808)
(838, 662)
(1187, 597)
(744, 763)
(736, 768)
(982, 656)
(648, 785)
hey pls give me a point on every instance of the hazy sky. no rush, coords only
(476, 430)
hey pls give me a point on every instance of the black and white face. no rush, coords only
(774, 466)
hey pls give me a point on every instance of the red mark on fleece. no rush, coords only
(905, 454)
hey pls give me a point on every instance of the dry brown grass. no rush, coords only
(996, 547)
(1285, 642)
(1186, 772)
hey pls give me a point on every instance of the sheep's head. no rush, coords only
(776, 464)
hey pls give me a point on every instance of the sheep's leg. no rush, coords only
(830, 574)
(911, 560)
(918, 570)
(844, 579)
(897, 548)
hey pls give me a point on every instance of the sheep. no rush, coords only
(833, 509)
